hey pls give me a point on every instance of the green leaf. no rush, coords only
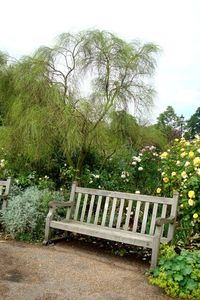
(191, 284)
(187, 270)
(178, 277)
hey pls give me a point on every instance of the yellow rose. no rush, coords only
(195, 216)
(183, 154)
(191, 154)
(176, 140)
(191, 202)
(173, 174)
(158, 190)
(191, 194)
(164, 155)
(166, 179)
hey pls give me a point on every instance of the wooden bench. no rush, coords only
(122, 217)
(4, 191)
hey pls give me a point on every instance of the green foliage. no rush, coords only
(169, 123)
(180, 169)
(135, 172)
(178, 275)
(25, 215)
(59, 120)
(193, 124)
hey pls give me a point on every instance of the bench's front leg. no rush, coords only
(47, 226)
(156, 247)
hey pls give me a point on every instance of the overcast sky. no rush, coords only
(172, 24)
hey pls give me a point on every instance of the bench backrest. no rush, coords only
(125, 211)
(4, 190)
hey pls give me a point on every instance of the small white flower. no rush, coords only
(96, 176)
(134, 163)
(140, 169)
(61, 189)
(99, 187)
(91, 181)
(65, 165)
(187, 163)
(198, 150)
(163, 173)
(123, 176)
(137, 192)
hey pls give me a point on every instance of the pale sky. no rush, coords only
(174, 25)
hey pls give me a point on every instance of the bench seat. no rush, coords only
(113, 234)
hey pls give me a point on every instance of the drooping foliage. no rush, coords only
(63, 96)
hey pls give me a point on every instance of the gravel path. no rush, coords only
(70, 271)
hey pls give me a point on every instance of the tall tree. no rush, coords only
(169, 123)
(193, 124)
(64, 95)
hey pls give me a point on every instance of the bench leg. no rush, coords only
(47, 226)
(155, 252)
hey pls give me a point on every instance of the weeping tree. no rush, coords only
(64, 95)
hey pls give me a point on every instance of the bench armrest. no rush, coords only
(162, 221)
(59, 204)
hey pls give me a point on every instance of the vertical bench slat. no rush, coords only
(77, 206)
(163, 215)
(112, 215)
(144, 221)
(164, 211)
(153, 219)
(121, 208)
(90, 209)
(84, 208)
(128, 215)
(105, 211)
(136, 217)
(97, 210)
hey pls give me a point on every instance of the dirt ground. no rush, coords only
(71, 271)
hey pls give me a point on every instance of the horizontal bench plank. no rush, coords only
(128, 196)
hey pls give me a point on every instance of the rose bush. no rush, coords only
(180, 170)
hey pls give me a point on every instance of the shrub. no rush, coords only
(25, 215)
(137, 172)
(178, 275)
(181, 171)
